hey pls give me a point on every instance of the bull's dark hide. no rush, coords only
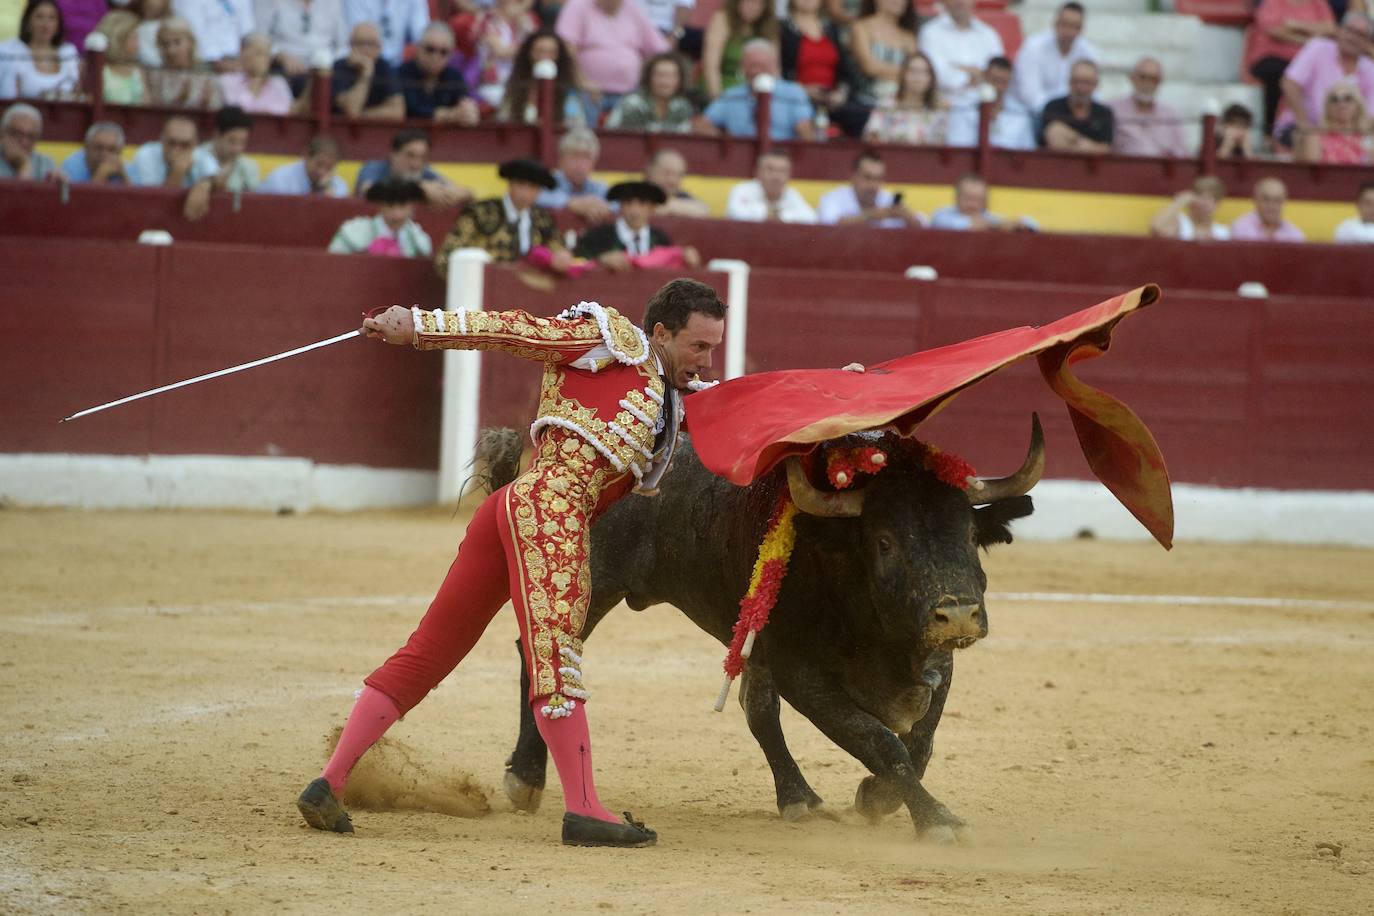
(861, 640)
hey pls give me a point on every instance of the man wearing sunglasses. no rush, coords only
(433, 89)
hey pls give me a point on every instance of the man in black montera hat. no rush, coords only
(617, 245)
(509, 227)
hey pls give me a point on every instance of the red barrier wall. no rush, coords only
(130, 317)
(1276, 393)
(29, 209)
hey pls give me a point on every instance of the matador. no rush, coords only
(608, 418)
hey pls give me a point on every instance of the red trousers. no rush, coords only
(528, 543)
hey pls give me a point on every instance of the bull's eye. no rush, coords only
(884, 544)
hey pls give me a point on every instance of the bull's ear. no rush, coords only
(993, 522)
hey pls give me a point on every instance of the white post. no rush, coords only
(458, 424)
(737, 314)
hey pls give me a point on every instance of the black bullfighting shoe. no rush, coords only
(581, 830)
(322, 810)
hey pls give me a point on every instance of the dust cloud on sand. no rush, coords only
(391, 777)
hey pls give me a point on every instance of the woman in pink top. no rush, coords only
(1344, 137)
(254, 89)
(1281, 27)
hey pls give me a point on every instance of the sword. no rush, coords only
(209, 375)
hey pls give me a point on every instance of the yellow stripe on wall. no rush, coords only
(1055, 210)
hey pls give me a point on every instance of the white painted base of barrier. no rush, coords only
(1073, 508)
(205, 482)
(1063, 508)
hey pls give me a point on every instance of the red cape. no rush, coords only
(791, 411)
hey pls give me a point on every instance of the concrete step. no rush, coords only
(1046, 8)
(1187, 47)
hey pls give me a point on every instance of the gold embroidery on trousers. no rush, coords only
(551, 507)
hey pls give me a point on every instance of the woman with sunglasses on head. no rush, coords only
(182, 81)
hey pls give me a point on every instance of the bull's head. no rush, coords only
(911, 553)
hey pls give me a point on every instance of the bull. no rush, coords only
(884, 586)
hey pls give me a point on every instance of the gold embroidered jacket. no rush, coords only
(601, 380)
(483, 225)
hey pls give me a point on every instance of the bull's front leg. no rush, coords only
(759, 699)
(824, 702)
(938, 674)
(878, 797)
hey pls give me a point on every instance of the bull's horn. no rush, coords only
(991, 489)
(814, 502)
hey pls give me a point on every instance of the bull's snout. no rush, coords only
(957, 625)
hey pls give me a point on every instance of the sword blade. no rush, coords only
(209, 375)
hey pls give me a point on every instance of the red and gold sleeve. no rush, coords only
(516, 331)
(585, 327)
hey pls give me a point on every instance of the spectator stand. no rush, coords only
(720, 156)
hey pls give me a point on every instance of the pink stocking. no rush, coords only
(571, 747)
(372, 715)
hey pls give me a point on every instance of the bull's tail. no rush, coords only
(497, 461)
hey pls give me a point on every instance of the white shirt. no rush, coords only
(1042, 73)
(292, 179)
(400, 21)
(634, 242)
(1188, 232)
(842, 202)
(285, 22)
(1356, 231)
(521, 219)
(148, 168)
(20, 79)
(1012, 128)
(747, 202)
(219, 25)
(662, 12)
(949, 47)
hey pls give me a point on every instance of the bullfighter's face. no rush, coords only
(687, 351)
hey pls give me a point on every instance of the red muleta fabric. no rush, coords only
(791, 411)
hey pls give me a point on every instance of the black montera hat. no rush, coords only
(529, 171)
(637, 190)
(395, 191)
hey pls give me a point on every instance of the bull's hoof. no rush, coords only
(874, 801)
(522, 795)
(796, 812)
(939, 835)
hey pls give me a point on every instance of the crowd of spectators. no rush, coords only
(868, 70)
